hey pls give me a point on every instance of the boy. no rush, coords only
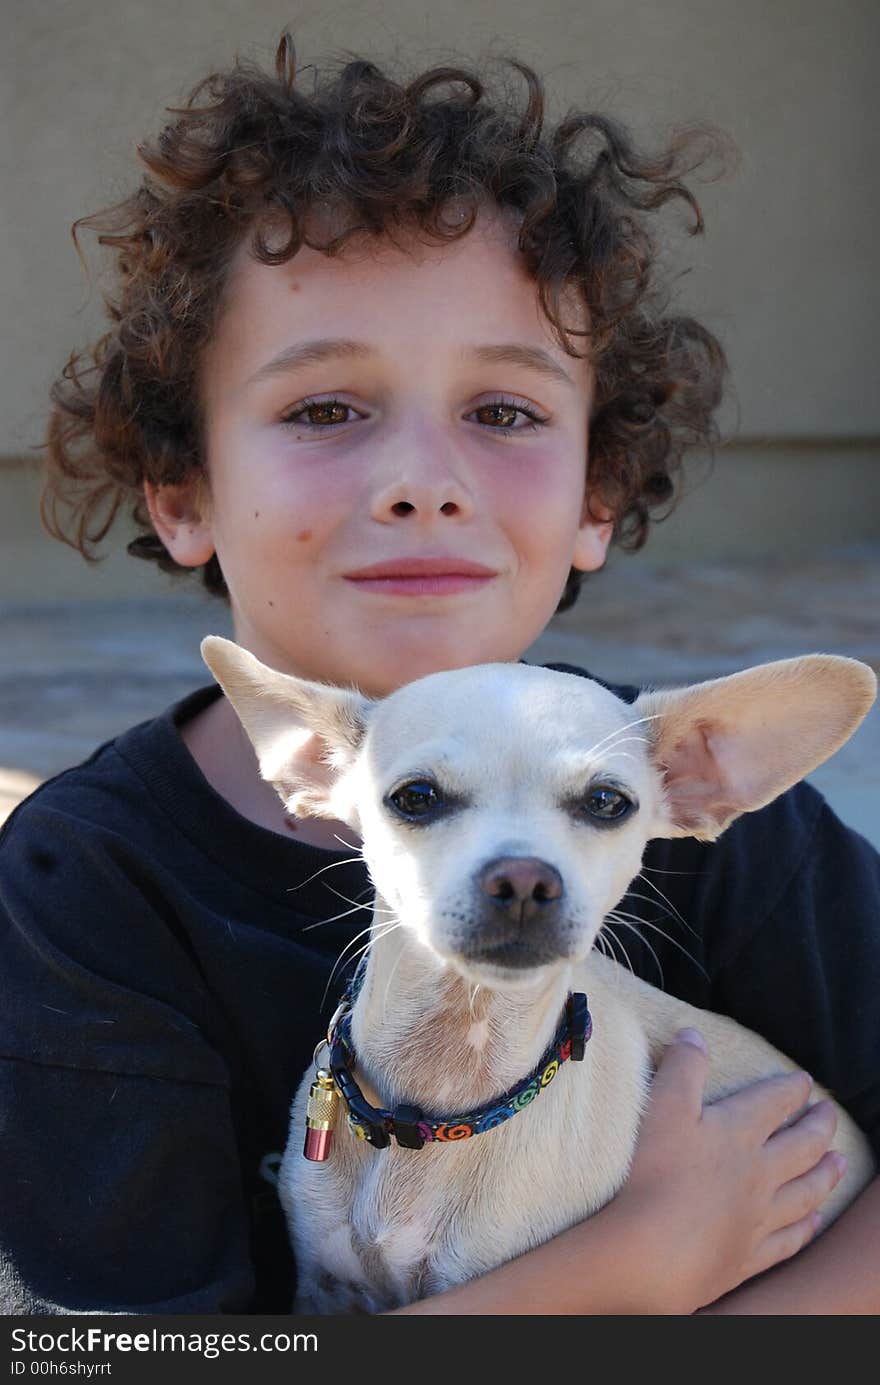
(284, 421)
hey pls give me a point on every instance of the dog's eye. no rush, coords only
(416, 800)
(607, 804)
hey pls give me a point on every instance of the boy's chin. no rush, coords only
(405, 663)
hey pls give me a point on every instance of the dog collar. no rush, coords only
(409, 1126)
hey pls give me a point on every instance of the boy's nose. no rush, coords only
(424, 486)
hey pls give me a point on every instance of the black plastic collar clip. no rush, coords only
(405, 1124)
(581, 1025)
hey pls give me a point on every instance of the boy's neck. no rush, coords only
(216, 741)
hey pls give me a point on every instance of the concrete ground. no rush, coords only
(75, 674)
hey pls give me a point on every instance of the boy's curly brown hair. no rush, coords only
(249, 148)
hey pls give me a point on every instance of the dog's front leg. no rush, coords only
(318, 1202)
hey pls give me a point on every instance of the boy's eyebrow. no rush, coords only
(322, 349)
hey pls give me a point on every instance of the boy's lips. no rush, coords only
(422, 576)
(446, 565)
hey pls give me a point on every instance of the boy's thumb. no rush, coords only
(681, 1074)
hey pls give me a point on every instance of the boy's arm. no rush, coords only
(122, 1193)
(121, 1174)
(836, 1275)
(808, 979)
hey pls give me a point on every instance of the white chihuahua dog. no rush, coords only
(504, 810)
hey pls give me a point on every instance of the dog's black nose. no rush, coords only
(521, 883)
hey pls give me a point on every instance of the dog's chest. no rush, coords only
(389, 1226)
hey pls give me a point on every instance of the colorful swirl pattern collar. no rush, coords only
(407, 1123)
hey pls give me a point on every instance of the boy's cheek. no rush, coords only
(540, 498)
(552, 475)
(274, 491)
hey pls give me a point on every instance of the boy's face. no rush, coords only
(410, 462)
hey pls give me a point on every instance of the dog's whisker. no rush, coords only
(647, 899)
(340, 895)
(637, 918)
(351, 942)
(346, 899)
(613, 938)
(625, 740)
(618, 738)
(610, 939)
(396, 963)
(377, 938)
(352, 958)
(352, 846)
(622, 921)
(355, 907)
(637, 721)
(631, 894)
(620, 730)
(333, 865)
(605, 948)
(655, 870)
(369, 929)
(668, 902)
(319, 923)
(645, 923)
(333, 972)
(335, 918)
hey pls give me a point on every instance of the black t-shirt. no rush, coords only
(162, 976)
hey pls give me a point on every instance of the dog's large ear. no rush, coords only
(731, 745)
(305, 734)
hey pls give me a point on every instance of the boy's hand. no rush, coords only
(725, 1192)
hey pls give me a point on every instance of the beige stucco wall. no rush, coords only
(786, 274)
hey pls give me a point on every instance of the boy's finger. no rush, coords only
(784, 1243)
(801, 1145)
(681, 1073)
(803, 1195)
(764, 1106)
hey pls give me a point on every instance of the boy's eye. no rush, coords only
(507, 408)
(323, 415)
(317, 414)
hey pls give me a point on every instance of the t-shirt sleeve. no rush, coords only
(799, 958)
(122, 1190)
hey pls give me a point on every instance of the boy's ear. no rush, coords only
(593, 536)
(733, 744)
(181, 517)
(305, 734)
